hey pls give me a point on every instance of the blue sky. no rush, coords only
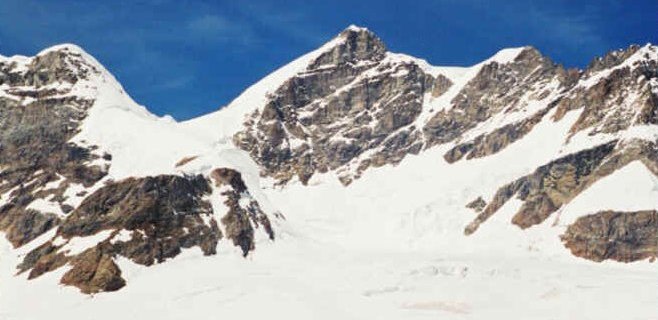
(187, 58)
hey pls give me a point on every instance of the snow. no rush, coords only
(44, 205)
(307, 280)
(450, 72)
(77, 245)
(355, 28)
(506, 55)
(631, 188)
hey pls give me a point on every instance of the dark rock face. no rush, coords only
(149, 220)
(620, 236)
(241, 219)
(349, 100)
(558, 182)
(36, 122)
(139, 203)
(163, 214)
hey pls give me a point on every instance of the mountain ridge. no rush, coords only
(82, 161)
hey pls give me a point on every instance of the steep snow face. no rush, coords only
(139, 142)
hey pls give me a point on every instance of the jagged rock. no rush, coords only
(610, 60)
(607, 105)
(36, 123)
(620, 236)
(161, 215)
(490, 143)
(558, 182)
(350, 100)
(352, 109)
(44, 258)
(241, 218)
(164, 214)
(94, 271)
(151, 219)
(478, 204)
(348, 104)
(23, 225)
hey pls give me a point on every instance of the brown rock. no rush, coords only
(94, 271)
(620, 236)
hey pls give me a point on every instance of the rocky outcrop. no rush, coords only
(47, 181)
(162, 214)
(39, 114)
(94, 271)
(558, 182)
(147, 220)
(620, 236)
(490, 143)
(350, 100)
(244, 213)
(477, 205)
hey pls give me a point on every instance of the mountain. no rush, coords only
(351, 158)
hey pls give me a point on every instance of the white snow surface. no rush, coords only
(388, 246)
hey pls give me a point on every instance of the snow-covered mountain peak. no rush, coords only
(69, 48)
(508, 55)
(357, 146)
(355, 28)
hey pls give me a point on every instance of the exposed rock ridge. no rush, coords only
(41, 108)
(147, 220)
(555, 184)
(244, 214)
(357, 106)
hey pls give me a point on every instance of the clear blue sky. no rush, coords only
(186, 58)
